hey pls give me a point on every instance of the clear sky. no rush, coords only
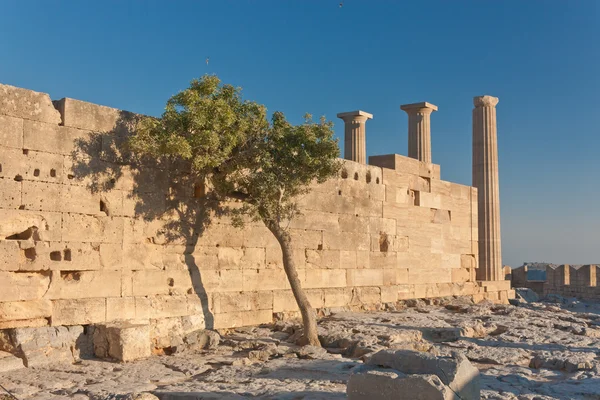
(540, 57)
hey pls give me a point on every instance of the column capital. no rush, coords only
(485, 101)
(355, 115)
(423, 107)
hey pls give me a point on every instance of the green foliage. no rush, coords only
(229, 143)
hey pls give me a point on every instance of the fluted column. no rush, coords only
(419, 130)
(485, 179)
(355, 144)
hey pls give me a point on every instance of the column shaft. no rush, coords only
(355, 143)
(485, 179)
(419, 130)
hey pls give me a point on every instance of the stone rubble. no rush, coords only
(538, 351)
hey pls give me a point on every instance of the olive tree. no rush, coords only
(263, 165)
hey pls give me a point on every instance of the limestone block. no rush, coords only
(162, 306)
(306, 239)
(23, 286)
(42, 196)
(364, 277)
(348, 259)
(494, 286)
(333, 203)
(324, 278)
(389, 294)
(363, 259)
(429, 275)
(78, 311)
(346, 241)
(256, 317)
(122, 341)
(228, 320)
(336, 297)
(456, 371)
(44, 345)
(451, 261)
(229, 280)
(8, 362)
(386, 260)
(69, 256)
(283, 300)
(406, 292)
(92, 228)
(23, 323)
(83, 115)
(84, 284)
(441, 216)
(140, 204)
(11, 132)
(379, 225)
(12, 256)
(355, 223)
(20, 165)
(431, 200)
(406, 215)
(419, 183)
(205, 257)
(461, 275)
(353, 188)
(368, 207)
(366, 296)
(141, 256)
(467, 261)
(402, 164)
(323, 259)
(418, 260)
(110, 256)
(27, 104)
(152, 282)
(52, 138)
(242, 301)
(372, 383)
(253, 258)
(424, 291)
(24, 310)
(10, 193)
(265, 279)
(120, 308)
(401, 195)
(316, 220)
(227, 236)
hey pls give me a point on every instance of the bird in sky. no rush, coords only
(341, 4)
(207, 59)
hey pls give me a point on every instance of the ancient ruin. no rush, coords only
(95, 260)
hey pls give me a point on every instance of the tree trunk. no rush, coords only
(309, 317)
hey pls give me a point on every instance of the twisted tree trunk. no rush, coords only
(309, 317)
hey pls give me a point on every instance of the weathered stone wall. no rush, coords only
(89, 234)
(569, 281)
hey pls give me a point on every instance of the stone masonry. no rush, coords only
(90, 235)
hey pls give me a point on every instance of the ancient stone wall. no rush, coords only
(570, 281)
(91, 234)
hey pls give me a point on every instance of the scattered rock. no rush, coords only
(456, 371)
(311, 352)
(9, 362)
(527, 295)
(372, 383)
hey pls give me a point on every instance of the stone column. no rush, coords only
(419, 130)
(355, 144)
(485, 179)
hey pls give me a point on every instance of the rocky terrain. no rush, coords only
(537, 350)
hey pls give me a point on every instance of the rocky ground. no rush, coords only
(531, 351)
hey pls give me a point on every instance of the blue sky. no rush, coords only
(540, 57)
